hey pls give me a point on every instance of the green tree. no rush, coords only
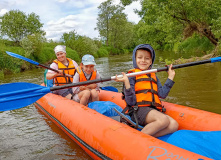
(33, 44)
(176, 19)
(113, 25)
(118, 34)
(16, 25)
(81, 44)
(106, 10)
(70, 38)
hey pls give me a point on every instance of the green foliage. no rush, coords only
(1, 74)
(168, 47)
(165, 24)
(73, 55)
(8, 63)
(168, 62)
(102, 52)
(46, 55)
(127, 2)
(113, 26)
(16, 25)
(81, 44)
(161, 59)
(196, 44)
(32, 45)
(70, 38)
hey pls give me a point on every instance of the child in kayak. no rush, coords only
(142, 94)
(86, 71)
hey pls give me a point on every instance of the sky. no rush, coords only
(63, 16)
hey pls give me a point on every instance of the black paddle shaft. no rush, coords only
(44, 66)
(109, 78)
(184, 65)
(80, 83)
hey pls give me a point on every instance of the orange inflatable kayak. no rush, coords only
(105, 138)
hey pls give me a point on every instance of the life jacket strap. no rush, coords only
(131, 111)
(154, 105)
(147, 90)
(147, 103)
(147, 79)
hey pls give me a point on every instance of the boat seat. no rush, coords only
(48, 83)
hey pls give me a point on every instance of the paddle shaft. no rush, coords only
(217, 59)
(43, 66)
(46, 67)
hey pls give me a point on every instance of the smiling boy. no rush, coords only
(144, 92)
(87, 93)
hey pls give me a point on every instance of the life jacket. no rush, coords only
(82, 76)
(146, 90)
(70, 70)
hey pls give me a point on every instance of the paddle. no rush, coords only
(21, 94)
(33, 62)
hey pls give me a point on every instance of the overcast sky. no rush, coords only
(60, 16)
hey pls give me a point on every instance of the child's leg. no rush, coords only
(84, 96)
(172, 127)
(94, 95)
(69, 96)
(157, 122)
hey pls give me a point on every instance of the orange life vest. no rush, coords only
(83, 78)
(70, 70)
(146, 90)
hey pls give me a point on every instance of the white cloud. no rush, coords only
(3, 11)
(129, 10)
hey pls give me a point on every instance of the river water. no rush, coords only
(27, 134)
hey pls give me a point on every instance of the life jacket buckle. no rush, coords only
(163, 109)
(135, 108)
(152, 104)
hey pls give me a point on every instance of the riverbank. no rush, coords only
(215, 53)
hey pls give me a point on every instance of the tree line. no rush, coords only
(180, 26)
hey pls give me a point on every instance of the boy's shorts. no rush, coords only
(142, 114)
(76, 98)
(63, 92)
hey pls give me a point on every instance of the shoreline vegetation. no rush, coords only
(214, 53)
(45, 55)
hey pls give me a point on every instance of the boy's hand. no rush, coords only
(124, 79)
(171, 72)
(92, 86)
(82, 88)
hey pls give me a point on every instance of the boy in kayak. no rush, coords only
(142, 94)
(86, 71)
(65, 66)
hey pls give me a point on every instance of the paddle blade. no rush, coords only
(216, 59)
(21, 94)
(110, 88)
(21, 57)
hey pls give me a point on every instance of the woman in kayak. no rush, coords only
(66, 66)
